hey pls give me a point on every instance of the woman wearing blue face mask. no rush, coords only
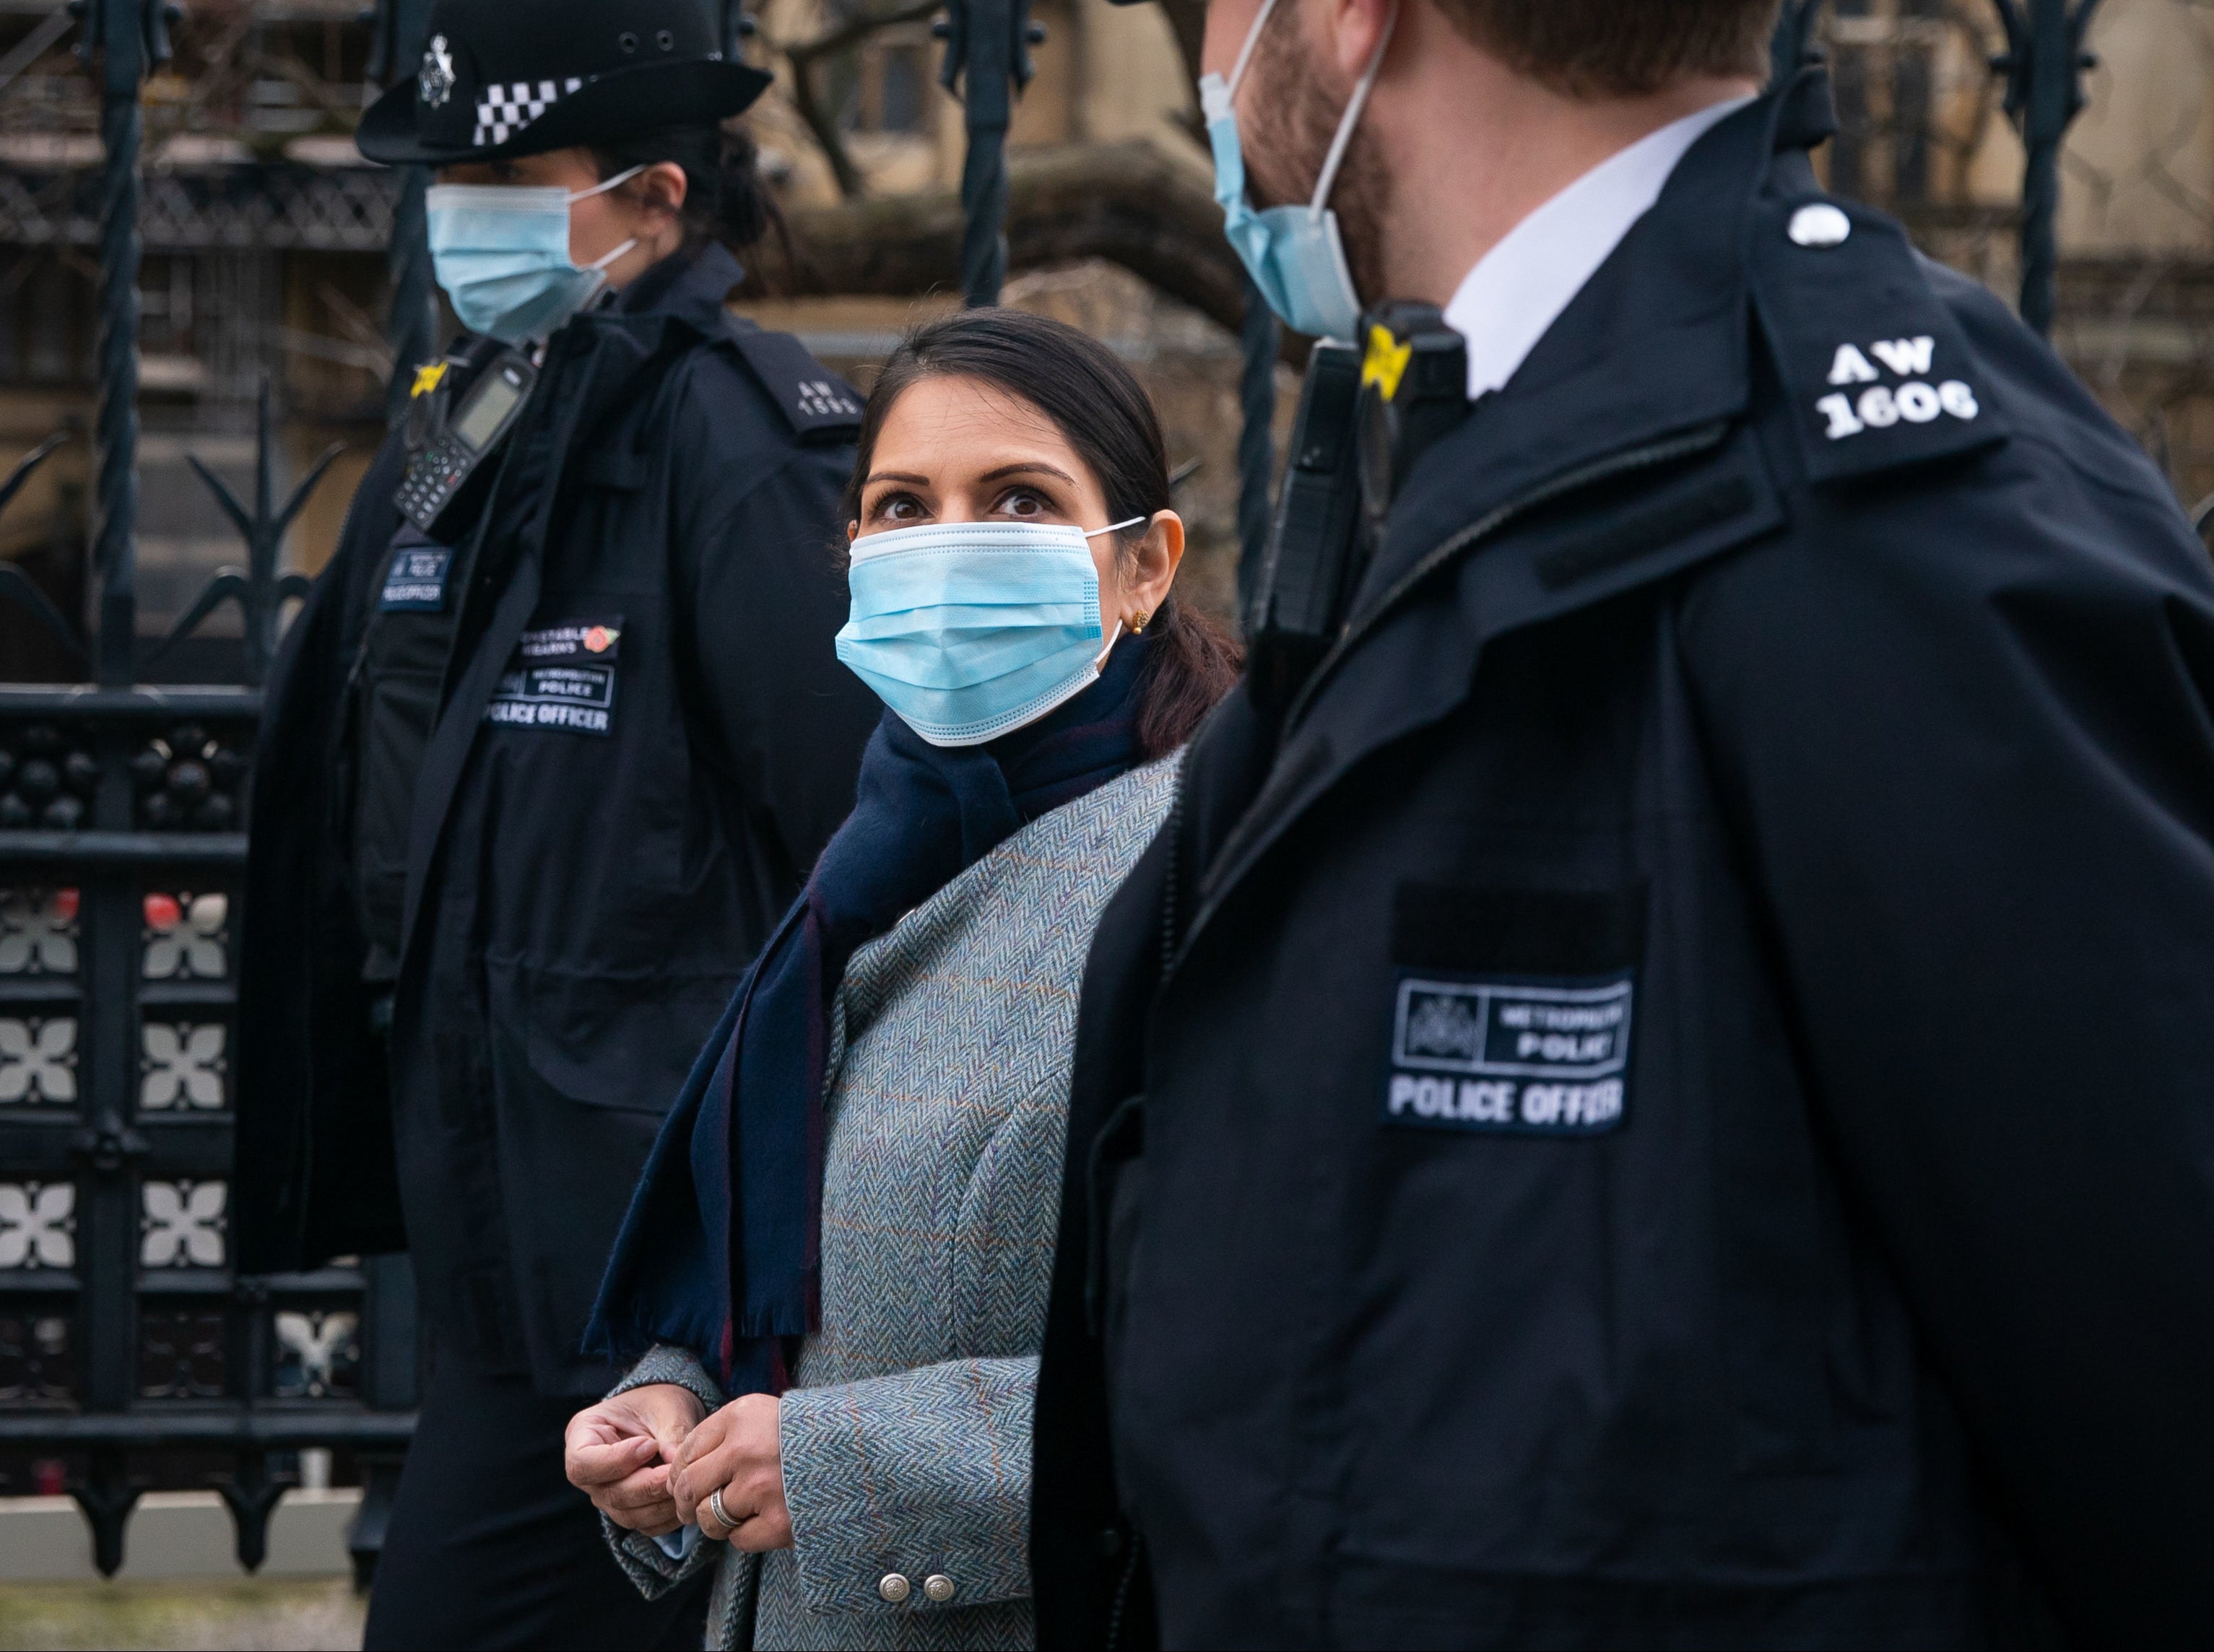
(550, 749)
(835, 1267)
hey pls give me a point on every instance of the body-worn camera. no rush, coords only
(1414, 392)
(1367, 413)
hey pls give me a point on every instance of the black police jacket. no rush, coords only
(646, 739)
(1674, 1108)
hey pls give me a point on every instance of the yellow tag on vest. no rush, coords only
(1386, 361)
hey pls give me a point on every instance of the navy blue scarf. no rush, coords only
(721, 1250)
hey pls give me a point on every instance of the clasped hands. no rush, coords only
(652, 1460)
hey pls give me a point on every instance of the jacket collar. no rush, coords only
(1646, 378)
(1656, 345)
(687, 286)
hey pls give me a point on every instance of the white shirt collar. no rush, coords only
(1519, 289)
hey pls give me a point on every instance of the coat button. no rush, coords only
(1820, 225)
(894, 1588)
(939, 1587)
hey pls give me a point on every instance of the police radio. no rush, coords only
(1365, 415)
(447, 481)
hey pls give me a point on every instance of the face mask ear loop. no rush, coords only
(1352, 119)
(1252, 40)
(1100, 659)
(601, 263)
(603, 188)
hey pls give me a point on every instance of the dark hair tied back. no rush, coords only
(1106, 416)
(725, 198)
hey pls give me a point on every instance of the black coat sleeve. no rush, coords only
(759, 572)
(1967, 724)
(315, 1174)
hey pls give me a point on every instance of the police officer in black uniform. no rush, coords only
(1655, 1090)
(557, 737)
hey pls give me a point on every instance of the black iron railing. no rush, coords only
(131, 1351)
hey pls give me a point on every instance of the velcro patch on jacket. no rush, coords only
(415, 580)
(1548, 1058)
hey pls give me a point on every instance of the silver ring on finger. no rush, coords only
(722, 1514)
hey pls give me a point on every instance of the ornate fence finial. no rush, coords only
(258, 589)
(16, 585)
(988, 54)
(1793, 47)
(2044, 64)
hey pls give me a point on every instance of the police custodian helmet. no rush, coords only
(507, 77)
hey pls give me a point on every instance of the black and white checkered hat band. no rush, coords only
(504, 111)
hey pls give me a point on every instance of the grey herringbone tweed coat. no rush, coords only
(906, 1439)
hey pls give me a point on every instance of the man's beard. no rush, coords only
(1288, 138)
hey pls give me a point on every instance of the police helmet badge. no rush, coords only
(436, 84)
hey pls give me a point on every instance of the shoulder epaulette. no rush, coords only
(1878, 372)
(818, 405)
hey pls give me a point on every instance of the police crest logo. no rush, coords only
(1523, 1057)
(435, 84)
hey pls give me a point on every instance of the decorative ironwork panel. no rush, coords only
(318, 1354)
(38, 1059)
(259, 208)
(38, 1226)
(37, 1356)
(182, 1354)
(186, 1067)
(189, 778)
(187, 936)
(48, 774)
(38, 932)
(183, 1224)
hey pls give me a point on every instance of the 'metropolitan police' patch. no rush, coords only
(1543, 1057)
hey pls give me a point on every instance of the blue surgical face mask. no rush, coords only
(502, 253)
(1293, 252)
(972, 629)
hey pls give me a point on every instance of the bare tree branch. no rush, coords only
(1126, 202)
(1188, 22)
(822, 124)
(851, 34)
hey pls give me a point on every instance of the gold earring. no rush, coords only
(1138, 622)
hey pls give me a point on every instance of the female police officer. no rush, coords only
(559, 731)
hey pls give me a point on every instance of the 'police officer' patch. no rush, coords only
(1512, 1008)
(563, 677)
(415, 580)
(1548, 1058)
